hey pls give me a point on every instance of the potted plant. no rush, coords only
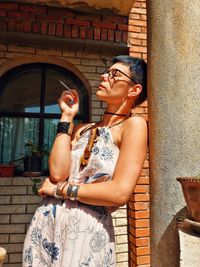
(33, 159)
(7, 170)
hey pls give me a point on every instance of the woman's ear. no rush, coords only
(135, 90)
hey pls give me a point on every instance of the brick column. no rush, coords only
(138, 207)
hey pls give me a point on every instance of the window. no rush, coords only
(29, 109)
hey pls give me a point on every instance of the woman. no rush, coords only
(102, 162)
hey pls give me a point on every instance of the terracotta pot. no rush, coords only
(7, 170)
(191, 192)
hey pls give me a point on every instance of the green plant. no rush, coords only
(35, 150)
(32, 163)
(36, 183)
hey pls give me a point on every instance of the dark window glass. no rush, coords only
(29, 109)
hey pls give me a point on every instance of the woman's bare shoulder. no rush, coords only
(134, 125)
(136, 120)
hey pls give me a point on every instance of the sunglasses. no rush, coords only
(113, 73)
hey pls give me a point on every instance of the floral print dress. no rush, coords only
(66, 233)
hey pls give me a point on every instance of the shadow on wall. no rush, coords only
(168, 250)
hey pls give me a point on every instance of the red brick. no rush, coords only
(141, 197)
(142, 251)
(141, 241)
(74, 31)
(115, 19)
(144, 42)
(141, 223)
(143, 180)
(11, 24)
(144, 5)
(135, 42)
(122, 27)
(104, 25)
(52, 29)
(97, 34)
(143, 17)
(27, 26)
(59, 29)
(50, 18)
(144, 56)
(3, 25)
(141, 189)
(125, 37)
(20, 15)
(67, 31)
(90, 33)
(9, 6)
(2, 13)
(138, 22)
(142, 232)
(141, 214)
(33, 9)
(82, 32)
(137, 49)
(141, 205)
(36, 27)
(133, 16)
(138, 10)
(132, 28)
(142, 36)
(118, 36)
(111, 35)
(44, 27)
(91, 17)
(137, 4)
(77, 22)
(143, 260)
(104, 34)
(20, 26)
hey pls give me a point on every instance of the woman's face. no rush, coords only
(115, 84)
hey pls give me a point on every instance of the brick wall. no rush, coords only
(63, 24)
(138, 208)
(60, 22)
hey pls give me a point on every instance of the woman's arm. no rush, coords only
(60, 156)
(128, 168)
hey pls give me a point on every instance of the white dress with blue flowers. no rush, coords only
(66, 233)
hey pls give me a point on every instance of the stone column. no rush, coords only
(174, 117)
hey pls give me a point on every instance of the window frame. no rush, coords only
(44, 67)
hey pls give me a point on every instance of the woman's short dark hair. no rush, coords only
(138, 68)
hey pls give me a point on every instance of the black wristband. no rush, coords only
(65, 127)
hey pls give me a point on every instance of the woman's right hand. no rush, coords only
(69, 104)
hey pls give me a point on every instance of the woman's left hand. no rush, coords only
(47, 188)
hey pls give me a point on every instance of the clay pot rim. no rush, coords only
(188, 179)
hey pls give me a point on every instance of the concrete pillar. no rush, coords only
(174, 117)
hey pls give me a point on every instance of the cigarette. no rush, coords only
(71, 102)
(63, 84)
